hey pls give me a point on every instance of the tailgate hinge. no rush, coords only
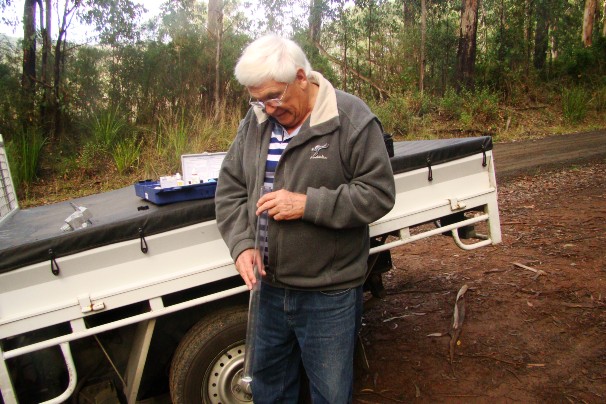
(455, 204)
(87, 306)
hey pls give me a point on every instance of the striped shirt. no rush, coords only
(278, 142)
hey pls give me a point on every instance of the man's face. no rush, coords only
(295, 101)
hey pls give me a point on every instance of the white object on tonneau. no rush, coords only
(205, 165)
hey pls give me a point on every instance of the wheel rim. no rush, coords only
(221, 381)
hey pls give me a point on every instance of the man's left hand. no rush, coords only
(282, 205)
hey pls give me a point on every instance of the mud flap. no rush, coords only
(378, 264)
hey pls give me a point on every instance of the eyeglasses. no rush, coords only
(274, 102)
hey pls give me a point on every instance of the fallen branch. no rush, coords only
(514, 375)
(538, 272)
(494, 358)
(403, 316)
(495, 270)
(458, 318)
(580, 306)
(400, 292)
(380, 394)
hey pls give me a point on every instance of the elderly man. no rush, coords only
(321, 153)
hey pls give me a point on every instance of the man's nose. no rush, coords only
(269, 109)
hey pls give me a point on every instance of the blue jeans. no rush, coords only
(315, 329)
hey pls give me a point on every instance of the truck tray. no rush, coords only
(120, 215)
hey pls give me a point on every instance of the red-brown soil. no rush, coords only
(527, 337)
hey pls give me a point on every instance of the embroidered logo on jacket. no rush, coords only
(316, 151)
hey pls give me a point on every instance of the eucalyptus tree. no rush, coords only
(215, 29)
(541, 37)
(28, 79)
(466, 53)
(589, 16)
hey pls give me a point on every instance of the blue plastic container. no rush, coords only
(151, 191)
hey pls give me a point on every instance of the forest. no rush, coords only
(83, 116)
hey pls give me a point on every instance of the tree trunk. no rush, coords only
(369, 40)
(423, 32)
(215, 27)
(588, 19)
(56, 85)
(46, 70)
(408, 14)
(541, 35)
(553, 41)
(604, 20)
(315, 20)
(528, 8)
(344, 65)
(215, 17)
(57, 69)
(466, 53)
(28, 79)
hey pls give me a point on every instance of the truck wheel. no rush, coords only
(207, 363)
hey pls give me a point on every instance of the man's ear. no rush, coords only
(301, 79)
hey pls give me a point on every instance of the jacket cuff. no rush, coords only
(241, 246)
(312, 205)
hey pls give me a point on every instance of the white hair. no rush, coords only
(271, 57)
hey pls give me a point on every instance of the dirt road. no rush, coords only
(530, 157)
(535, 323)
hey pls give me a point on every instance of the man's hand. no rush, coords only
(245, 264)
(282, 205)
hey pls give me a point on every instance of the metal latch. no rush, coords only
(455, 204)
(87, 306)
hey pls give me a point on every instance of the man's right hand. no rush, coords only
(245, 264)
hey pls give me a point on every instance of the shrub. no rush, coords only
(107, 129)
(24, 156)
(574, 104)
(172, 139)
(450, 105)
(126, 154)
(482, 105)
(394, 114)
(599, 99)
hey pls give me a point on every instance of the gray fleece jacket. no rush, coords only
(339, 160)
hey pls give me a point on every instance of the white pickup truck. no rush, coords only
(146, 300)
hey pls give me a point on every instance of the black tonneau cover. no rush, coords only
(27, 236)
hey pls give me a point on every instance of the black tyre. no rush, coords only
(207, 364)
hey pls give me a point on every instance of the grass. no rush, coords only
(575, 103)
(126, 154)
(24, 157)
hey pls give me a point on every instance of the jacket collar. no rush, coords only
(325, 107)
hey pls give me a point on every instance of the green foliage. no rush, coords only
(172, 138)
(84, 72)
(107, 128)
(24, 152)
(10, 87)
(400, 114)
(599, 99)
(481, 105)
(395, 114)
(574, 104)
(450, 105)
(470, 107)
(126, 154)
